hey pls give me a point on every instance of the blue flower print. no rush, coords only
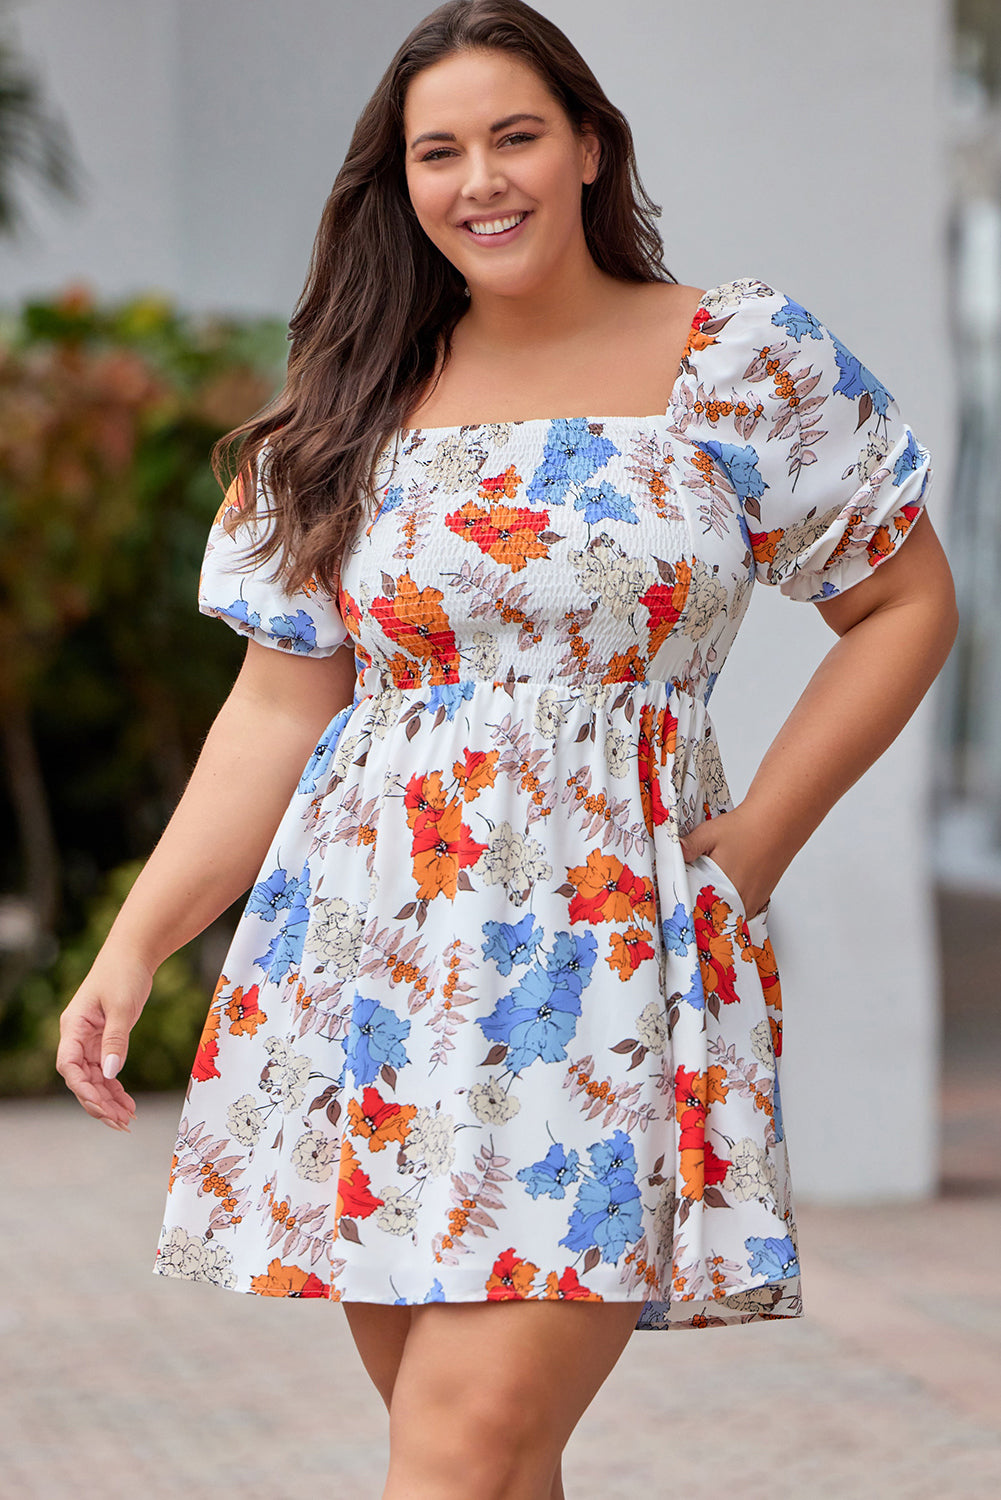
(679, 930)
(450, 695)
(275, 894)
(797, 321)
(740, 465)
(774, 1258)
(375, 1037)
(608, 1211)
(777, 1110)
(240, 610)
(296, 632)
(511, 943)
(856, 381)
(571, 456)
(571, 961)
(536, 1020)
(392, 497)
(604, 504)
(551, 1175)
(437, 1292)
(912, 458)
(696, 996)
(285, 949)
(324, 752)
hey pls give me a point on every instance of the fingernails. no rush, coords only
(112, 1063)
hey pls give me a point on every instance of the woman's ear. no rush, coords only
(590, 151)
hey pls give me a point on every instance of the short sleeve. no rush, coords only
(234, 589)
(840, 477)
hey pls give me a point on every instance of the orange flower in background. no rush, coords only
(764, 543)
(442, 846)
(414, 619)
(665, 603)
(655, 744)
(354, 1196)
(505, 484)
(511, 1278)
(424, 793)
(208, 1045)
(693, 1094)
(379, 1119)
(715, 947)
(509, 534)
(568, 1288)
(289, 1281)
(477, 769)
(608, 891)
(629, 949)
(625, 666)
(245, 1015)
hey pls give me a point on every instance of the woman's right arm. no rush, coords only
(209, 854)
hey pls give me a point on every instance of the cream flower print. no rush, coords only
(430, 1140)
(314, 1156)
(284, 1076)
(705, 600)
(651, 1027)
(195, 1259)
(761, 1045)
(245, 1120)
(514, 861)
(334, 934)
(751, 1173)
(605, 573)
(398, 1212)
(550, 713)
(491, 1104)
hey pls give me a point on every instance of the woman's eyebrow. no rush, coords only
(446, 135)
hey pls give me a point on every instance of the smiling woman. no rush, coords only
(494, 1057)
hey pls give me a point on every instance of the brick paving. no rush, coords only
(117, 1383)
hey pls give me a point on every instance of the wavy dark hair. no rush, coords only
(381, 301)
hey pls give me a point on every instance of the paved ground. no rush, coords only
(115, 1383)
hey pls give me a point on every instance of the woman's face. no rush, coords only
(487, 166)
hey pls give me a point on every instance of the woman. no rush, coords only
(500, 1023)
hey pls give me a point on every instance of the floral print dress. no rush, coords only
(482, 1033)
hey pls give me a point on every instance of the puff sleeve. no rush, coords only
(840, 477)
(234, 589)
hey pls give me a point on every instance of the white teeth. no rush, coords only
(497, 225)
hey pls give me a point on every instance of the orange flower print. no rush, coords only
(289, 1281)
(245, 1015)
(606, 890)
(626, 666)
(354, 1197)
(715, 948)
(379, 1119)
(208, 1045)
(511, 1279)
(764, 543)
(509, 534)
(443, 846)
(424, 793)
(501, 485)
(414, 619)
(476, 770)
(568, 1288)
(655, 744)
(665, 603)
(629, 949)
(694, 1092)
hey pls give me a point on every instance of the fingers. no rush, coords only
(78, 1060)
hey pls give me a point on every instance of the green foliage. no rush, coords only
(166, 1035)
(106, 498)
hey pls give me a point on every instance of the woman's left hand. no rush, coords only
(734, 844)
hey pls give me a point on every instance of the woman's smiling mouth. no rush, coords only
(497, 231)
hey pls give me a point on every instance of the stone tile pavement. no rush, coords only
(115, 1383)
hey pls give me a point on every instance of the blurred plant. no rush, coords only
(108, 678)
(172, 1021)
(33, 139)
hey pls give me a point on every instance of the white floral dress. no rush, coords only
(482, 1033)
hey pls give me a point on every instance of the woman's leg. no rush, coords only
(487, 1394)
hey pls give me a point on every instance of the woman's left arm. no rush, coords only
(895, 628)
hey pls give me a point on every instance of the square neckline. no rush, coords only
(407, 432)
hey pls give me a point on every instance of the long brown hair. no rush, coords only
(380, 298)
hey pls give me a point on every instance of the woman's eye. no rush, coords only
(519, 135)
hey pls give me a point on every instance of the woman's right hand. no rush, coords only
(94, 1035)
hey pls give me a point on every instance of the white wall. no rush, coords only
(803, 144)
